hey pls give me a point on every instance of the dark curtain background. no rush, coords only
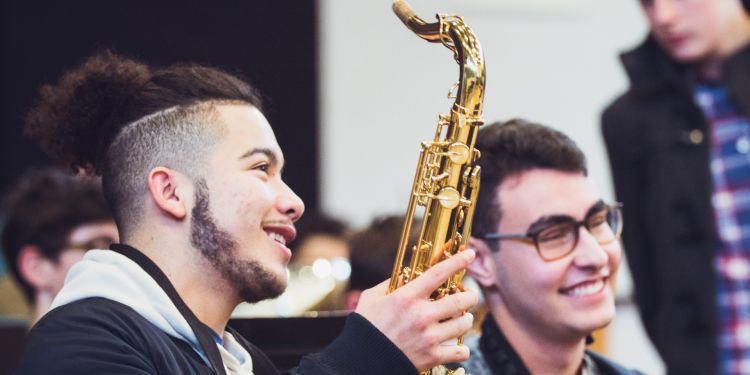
(271, 43)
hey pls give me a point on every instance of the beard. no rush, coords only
(251, 280)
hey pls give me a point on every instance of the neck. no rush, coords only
(541, 353)
(207, 295)
(736, 36)
(42, 303)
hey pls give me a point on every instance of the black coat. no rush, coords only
(492, 354)
(659, 149)
(101, 336)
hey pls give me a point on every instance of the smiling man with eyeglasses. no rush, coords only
(547, 254)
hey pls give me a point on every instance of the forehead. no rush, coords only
(246, 129)
(534, 194)
(93, 230)
(704, 9)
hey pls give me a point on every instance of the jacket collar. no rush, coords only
(204, 333)
(651, 70)
(500, 356)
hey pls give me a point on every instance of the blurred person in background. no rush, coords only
(679, 145)
(319, 236)
(51, 219)
(373, 251)
(547, 250)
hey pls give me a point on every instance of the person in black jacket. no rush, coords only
(547, 255)
(193, 174)
(678, 143)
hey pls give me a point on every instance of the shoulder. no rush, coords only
(609, 367)
(90, 316)
(94, 335)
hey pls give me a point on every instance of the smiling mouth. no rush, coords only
(276, 237)
(585, 289)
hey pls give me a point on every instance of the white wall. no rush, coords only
(382, 87)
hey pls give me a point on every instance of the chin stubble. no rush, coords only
(252, 282)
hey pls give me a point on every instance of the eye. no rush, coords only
(554, 233)
(597, 219)
(263, 167)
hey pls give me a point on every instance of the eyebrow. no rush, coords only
(544, 221)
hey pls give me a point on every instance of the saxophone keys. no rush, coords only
(452, 91)
(459, 153)
(449, 197)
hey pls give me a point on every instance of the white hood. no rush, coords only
(108, 274)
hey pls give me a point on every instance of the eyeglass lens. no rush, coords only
(560, 239)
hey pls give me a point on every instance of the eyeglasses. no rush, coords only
(101, 242)
(557, 236)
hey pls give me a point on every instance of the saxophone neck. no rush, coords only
(459, 38)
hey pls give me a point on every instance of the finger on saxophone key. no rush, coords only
(457, 327)
(431, 279)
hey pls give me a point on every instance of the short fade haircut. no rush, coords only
(511, 148)
(119, 118)
(43, 208)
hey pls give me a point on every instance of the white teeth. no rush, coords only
(586, 289)
(277, 237)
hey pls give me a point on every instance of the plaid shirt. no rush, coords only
(730, 168)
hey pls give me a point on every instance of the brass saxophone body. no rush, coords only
(446, 182)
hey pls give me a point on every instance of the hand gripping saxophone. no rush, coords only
(446, 183)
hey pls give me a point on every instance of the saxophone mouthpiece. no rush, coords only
(403, 11)
(427, 31)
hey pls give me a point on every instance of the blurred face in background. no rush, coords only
(97, 235)
(694, 31)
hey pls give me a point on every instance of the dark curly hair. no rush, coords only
(43, 208)
(510, 148)
(119, 118)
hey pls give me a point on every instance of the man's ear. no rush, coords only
(167, 190)
(35, 268)
(482, 269)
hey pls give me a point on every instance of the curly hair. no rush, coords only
(119, 118)
(510, 148)
(43, 209)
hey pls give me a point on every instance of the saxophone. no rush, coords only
(446, 182)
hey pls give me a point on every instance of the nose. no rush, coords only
(662, 12)
(289, 203)
(589, 253)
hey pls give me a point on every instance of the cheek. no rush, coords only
(615, 255)
(530, 275)
(66, 260)
(70, 257)
(246, 202)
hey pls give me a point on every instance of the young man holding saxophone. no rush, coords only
(547, 252)
(193, 173)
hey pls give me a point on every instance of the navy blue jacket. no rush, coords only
(101, 336)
